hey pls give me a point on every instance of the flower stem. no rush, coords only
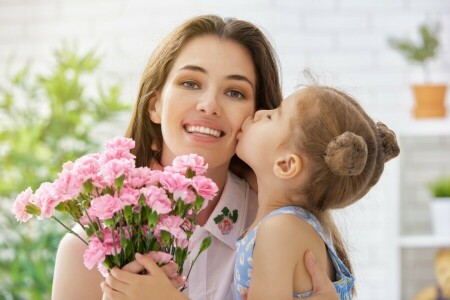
(70, 230)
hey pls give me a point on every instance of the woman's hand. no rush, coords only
(159, 283)
(323, 288)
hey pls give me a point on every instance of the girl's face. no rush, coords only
(266, 136)
(208, 93)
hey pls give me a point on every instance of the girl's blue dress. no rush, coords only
(244, 258)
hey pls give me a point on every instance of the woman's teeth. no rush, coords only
(203, 130)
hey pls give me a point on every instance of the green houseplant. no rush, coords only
(429, 98)
(45, 119)
(440, 205)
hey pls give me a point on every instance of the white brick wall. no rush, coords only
(344, 41)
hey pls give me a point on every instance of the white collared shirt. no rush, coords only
(211, 277)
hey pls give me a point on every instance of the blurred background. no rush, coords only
(69, 72)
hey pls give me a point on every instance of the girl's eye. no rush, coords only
(190, 85)
(235, 94)
(269, 117)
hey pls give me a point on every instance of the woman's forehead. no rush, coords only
(217, 56)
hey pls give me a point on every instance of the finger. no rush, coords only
(148, 264)
(244, 294)
(133, 267)
(123, 276)
(116, 284)
(179, 281)
(170, 269)
(109, 293)
(319, 278)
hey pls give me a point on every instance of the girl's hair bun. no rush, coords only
(346, 154)
(389, 141)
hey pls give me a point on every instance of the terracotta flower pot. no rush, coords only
(430, 101)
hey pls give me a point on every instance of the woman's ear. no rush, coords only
(288, 166)
(154, 108)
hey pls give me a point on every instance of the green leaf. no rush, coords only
(198, 202)
(166, 238)
(119, 182)
(226, 211)
(218, 219)
(33, 209)
(128, 213)
(234, 216)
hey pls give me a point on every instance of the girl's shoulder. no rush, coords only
(290, 226)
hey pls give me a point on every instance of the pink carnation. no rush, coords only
(112, 246)
(171, 224)
(157, 199)
(205, 187)
(186, 195)
(129, 196)
(120, 142)
(118, 148)
(68, 185)
(95, 253)
(104, 207)
(193, 161)
(87, 166)
(47, 198)
(154, 178)
(181, 243)
(103, 270)
(115, 168)
(20, 204)
(111, 154)
(174, 182)
(139, 177)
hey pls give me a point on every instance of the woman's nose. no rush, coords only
(209, 104)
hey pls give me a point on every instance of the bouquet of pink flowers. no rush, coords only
(124, 209)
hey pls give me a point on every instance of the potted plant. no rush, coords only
(440, 205)
(429, 98)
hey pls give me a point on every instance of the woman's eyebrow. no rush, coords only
(193, 68)
(202, 70)
(240, 77)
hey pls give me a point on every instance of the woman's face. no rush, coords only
(208, 93)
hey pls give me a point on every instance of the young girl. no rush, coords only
(318, 151)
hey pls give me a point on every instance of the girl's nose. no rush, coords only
(259, 114)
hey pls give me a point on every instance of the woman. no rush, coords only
(200, 84)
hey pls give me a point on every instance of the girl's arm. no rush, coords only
(72, 280)
(323, 288)
(281, 243)
(123, 285)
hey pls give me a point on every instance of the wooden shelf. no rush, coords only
(424, 241)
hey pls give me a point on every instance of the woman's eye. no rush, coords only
(235, 94)
(269, 117)
(190, 85)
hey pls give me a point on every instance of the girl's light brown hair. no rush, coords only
(326, 115)
(268, 90)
